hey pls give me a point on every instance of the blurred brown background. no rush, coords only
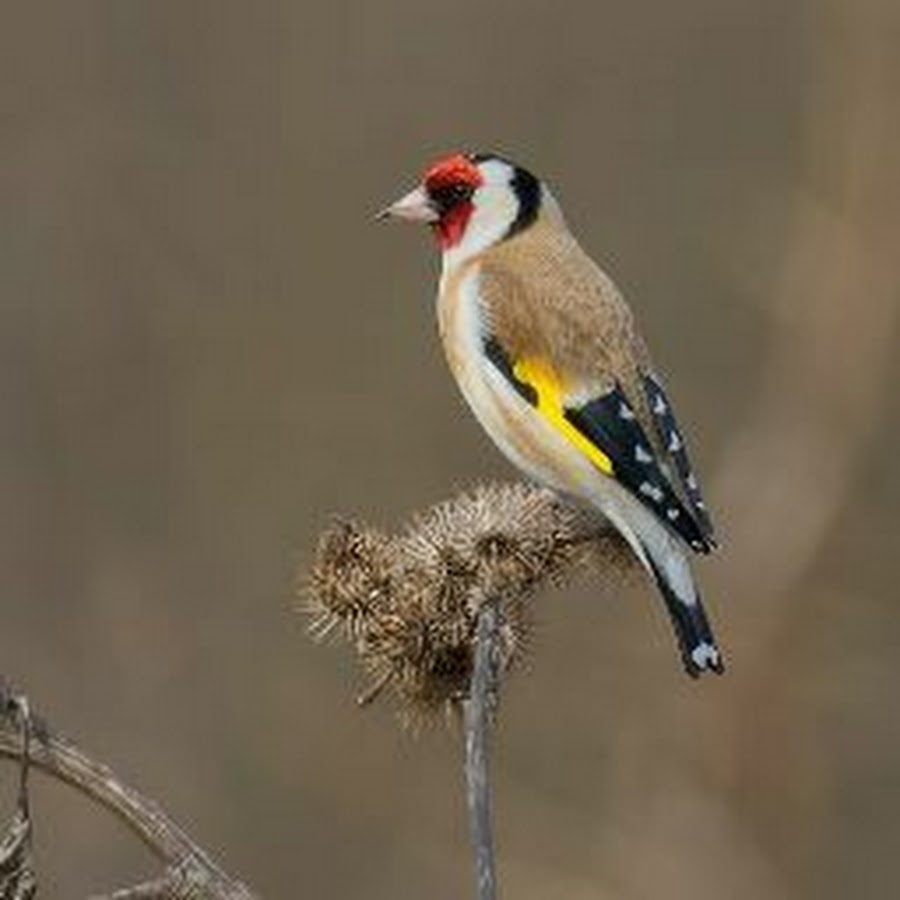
(207, 348)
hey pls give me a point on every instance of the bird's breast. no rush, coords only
(461, 325)
(510, 422)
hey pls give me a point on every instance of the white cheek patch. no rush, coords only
(495, 209)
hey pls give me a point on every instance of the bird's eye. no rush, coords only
(447, 196)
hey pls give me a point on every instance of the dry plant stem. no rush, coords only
(189, 869)
(17, 877)
(478, 717)
(165, 888)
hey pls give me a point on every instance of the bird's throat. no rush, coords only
(452, 225)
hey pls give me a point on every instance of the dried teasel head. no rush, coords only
(409, 602)
(349, 578)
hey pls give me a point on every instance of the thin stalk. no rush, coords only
(478, 718)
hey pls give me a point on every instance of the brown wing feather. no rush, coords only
(545, 298)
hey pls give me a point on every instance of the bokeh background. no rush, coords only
(207, 348)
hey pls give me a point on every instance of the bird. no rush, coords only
(550, 360)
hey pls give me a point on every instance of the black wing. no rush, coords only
(672, 441)
(609, 422)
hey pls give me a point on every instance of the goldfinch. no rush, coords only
(549, 358)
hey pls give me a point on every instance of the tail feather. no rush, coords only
(696, 642)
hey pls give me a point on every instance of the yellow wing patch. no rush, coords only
(549, 389)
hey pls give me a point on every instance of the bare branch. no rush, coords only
(189, 869)
(17, 878)
(169, 887)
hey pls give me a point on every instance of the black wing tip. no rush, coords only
(670, 436)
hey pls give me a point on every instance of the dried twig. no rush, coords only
(190, 872)
(17, 878)
(479, 710)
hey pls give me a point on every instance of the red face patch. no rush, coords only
(450, 184)
(453, 170)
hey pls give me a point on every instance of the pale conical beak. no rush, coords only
(414, 207)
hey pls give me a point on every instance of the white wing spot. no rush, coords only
(652, 491)
(705, 656)
(674, 442)
(625, 412)
(642, 454)
(692, 482)
(672, 513)
(659, 406)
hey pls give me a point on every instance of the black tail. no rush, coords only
(699, 652)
